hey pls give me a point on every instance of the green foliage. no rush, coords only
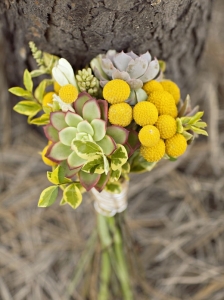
(72, 195)
(58, 176)
(40, 121)
(48, 196)
(27, 108)
(27, 81)
(113, 187)
(20, 92)
(139, 165)
(194, 123)
(118, 158)
(40, 90)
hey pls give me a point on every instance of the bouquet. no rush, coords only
(118, 115)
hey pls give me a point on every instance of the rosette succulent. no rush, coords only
(83, 143)
(134, 69)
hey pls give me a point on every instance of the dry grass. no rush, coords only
(175, 212)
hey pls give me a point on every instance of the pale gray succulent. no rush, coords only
(134, 69)
(87, 82)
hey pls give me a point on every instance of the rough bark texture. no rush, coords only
(78, 30)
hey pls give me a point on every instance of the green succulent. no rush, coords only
(87, 82)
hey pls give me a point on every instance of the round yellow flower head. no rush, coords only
(116, 91)
(155, 153)
(46, 160)
(56, 87)
(176, 145)
(152, 86)
(68, 93)
(164, 102)
(149, 136)
(120, 114)
(48, 98)
(167, 126)
(145, 113)
(172, 88)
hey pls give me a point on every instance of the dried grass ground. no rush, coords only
(176, 212)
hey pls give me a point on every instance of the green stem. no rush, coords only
(104, 276)
(121, 265)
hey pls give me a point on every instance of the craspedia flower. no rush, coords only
(149, 136)
(46, 160)
(120, 114)
(155, 153)
(116, 91)
(152, 86)
(164, 102)
(167, 126)
(176, 145)
(68, 93)
(56, 87)
(145, 113)
(172, 88)
(48, 98)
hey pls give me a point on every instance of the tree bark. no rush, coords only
(174, 31)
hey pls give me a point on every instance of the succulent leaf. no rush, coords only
(80, 101)
(66, 135)
(75, 161)
(137, 68)
(58, 152)
(57, 120)
(107, 66)
(146, 56)
(102, 182)
(72, 119)
(99, 128)
(151, 72)
(118, 133)
(91, 110)
(84, 126)
(103, 109)
(107, 144)
(121, 61)
(88, 180)
(51, 133)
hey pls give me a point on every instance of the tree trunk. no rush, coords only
(174, 31)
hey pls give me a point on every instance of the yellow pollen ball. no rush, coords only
(116, 91)
(46, 160)
(120, 114)
(172, 88)
(164, 102)
(145, 113)
(149, 136)
(48, 98)
(176, 145)
(68, 93)
(167, 126)
(155, 153)
(152, 86)
(56, 87)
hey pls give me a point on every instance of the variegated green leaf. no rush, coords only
(113, 187)
(20, 92)
(27, 81)
(119, 158)
(48, 196)
(72, 195)
(27, 108)
(58, 176)
(42, 120)
(115, 175)
(86, 149)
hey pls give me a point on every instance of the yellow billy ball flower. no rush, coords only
(120, 114)
(56, 87)
(164, 102)
(155, 153)
(116, 91)
(176, 145)
(48, 98)
(149, 136)
(68, 93)
(172, 88)
(145, 113)
(167, 126)
(46, 160)
(152, 86)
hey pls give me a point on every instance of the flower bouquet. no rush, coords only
(116, 116)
